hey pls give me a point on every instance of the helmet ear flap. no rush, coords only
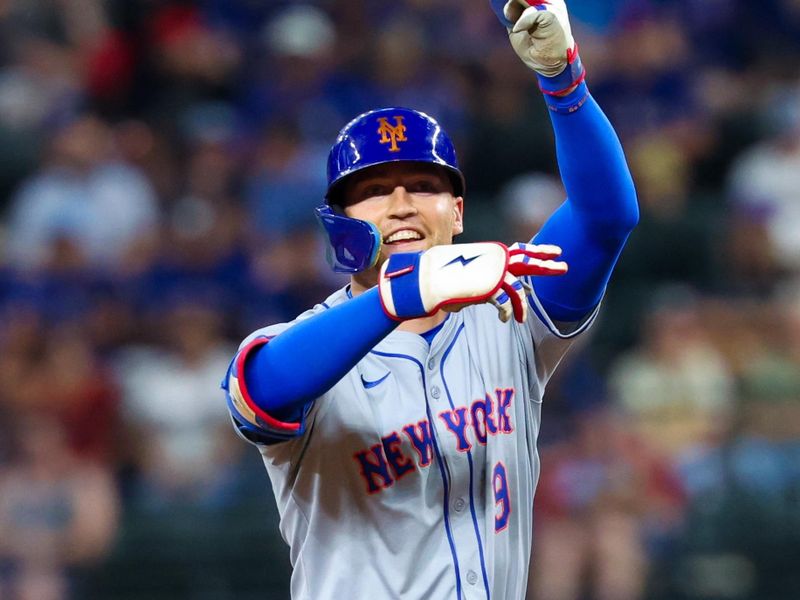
(353, 244)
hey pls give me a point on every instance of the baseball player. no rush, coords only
(398, 419)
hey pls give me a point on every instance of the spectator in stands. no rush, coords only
(675, 388)
(83, 203)
(57, 513)
(179, 432)
(603, 500)
(764, 181)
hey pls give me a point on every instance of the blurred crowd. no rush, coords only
(160, 162)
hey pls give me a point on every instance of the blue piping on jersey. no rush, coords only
(534, 303)
(471, 469)
(439, 461)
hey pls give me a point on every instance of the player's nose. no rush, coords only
(401, 203)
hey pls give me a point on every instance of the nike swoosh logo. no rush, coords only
(462, 260)
(371, 384)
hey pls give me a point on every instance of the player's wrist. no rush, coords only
(570, 102)
(401, 297)
(567, 92)
(567, 80)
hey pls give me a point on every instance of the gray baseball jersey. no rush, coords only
(414, 475)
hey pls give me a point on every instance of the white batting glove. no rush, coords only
(541, 34)
(414, 285)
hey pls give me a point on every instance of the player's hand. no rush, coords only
(540, 33)
(417, 284)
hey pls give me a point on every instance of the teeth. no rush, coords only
(405, 234)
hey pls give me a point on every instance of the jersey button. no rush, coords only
(435, 391)
(431, 364)
(472, 577)
(459, 504)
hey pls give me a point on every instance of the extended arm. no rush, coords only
(284, 374)
(272, 380)
(601, 209)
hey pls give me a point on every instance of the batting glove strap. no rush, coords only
(572, 75)
(399, 286)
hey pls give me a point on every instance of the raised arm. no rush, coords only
(601, 209)
(594, 222)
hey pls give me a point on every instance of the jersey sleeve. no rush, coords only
(249, 420)
(552, 339)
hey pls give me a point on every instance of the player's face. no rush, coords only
(412, 205)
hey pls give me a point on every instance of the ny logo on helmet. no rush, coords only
(391, 134)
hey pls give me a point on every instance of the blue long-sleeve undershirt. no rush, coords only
(308, 358)
(591, 227)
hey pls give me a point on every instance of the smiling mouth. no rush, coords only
(405, 235)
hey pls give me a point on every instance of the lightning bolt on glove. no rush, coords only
(415, 284)
(541, 35)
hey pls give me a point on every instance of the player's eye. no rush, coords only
(372, 190)
(423, 186)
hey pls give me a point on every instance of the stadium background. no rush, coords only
(159, 164)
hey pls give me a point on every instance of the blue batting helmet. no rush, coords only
(373, 138)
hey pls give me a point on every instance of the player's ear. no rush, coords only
(458, 215)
